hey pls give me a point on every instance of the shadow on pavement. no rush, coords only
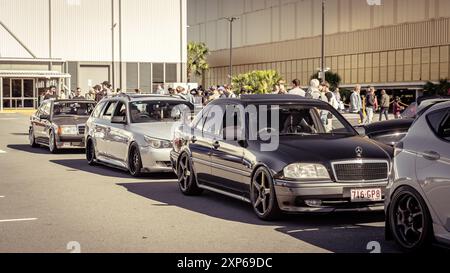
(41, 150)
(19, 134)
(336, 232)
(82, 165)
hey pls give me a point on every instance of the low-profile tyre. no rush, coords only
(263, 196)
(187, 180)
(52, 143)
(32, 139)
(135, 162)
(410, 221)
(90, 153)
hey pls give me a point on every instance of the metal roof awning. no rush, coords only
(33, 74)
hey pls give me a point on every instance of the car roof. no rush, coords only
(271, 99)
(440, 106)
(149, 97)
(69, 100)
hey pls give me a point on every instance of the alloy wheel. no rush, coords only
(261, 192)
(135, 164)
(31, 138)
(409, 220)
(51, 142)
(184, 173)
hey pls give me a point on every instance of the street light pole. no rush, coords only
(322, 66)
(231, 20)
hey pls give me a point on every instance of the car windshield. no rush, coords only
(72, 109)
(158, 111)
(301, 120)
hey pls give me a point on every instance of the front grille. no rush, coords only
(361, 171)
(81, 129)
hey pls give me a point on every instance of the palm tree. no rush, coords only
(334, 79)
(442, 88)
(197, 59)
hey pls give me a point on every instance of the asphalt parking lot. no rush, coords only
(48, 201)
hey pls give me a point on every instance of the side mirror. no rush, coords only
(361, 131)
(119, 120)
(43, 116)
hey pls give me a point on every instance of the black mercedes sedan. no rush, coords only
(60, 124)
(281, 153)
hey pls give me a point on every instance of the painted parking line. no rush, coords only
(2, 152)
(1, 196)
(18, 220)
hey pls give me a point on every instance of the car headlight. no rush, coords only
(67, 130)
(306, 171)
(156, 143)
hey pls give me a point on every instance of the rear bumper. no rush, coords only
(331, 197)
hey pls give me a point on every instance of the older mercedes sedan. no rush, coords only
(134, 132)
(60, 124)
(281, 153)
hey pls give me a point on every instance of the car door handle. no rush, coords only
(431, 155)
(216, 145)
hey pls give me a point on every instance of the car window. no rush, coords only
(107, 114)
(434, 120)
(98, 110)
(149, 111)
(444, 129)
(72, 109)
(233, 123)
(121, 110)
(214, 121)
(199, 120)
(45, 109)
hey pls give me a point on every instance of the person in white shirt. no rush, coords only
(160, 90)
(296, 90)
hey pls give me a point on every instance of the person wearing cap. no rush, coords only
(222, 94)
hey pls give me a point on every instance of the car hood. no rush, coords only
(161, 130)
(71, 120)
(295, 149)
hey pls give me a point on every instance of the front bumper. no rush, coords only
(70, 142)
(155, 160)
(333, 196)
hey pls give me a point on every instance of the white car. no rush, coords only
(418, 199)
(134, 132)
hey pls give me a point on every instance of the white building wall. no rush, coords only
(152, 30)
(28, 19)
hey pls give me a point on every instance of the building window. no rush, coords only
(158, 73)
(425, 64)
(132, 76)
(443, 60)
(145, 79)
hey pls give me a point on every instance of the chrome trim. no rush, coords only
(360, 161)
(222, 167)
(242, 198)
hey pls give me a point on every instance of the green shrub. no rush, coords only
(256, 82)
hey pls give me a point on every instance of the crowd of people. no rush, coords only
(364, 105)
